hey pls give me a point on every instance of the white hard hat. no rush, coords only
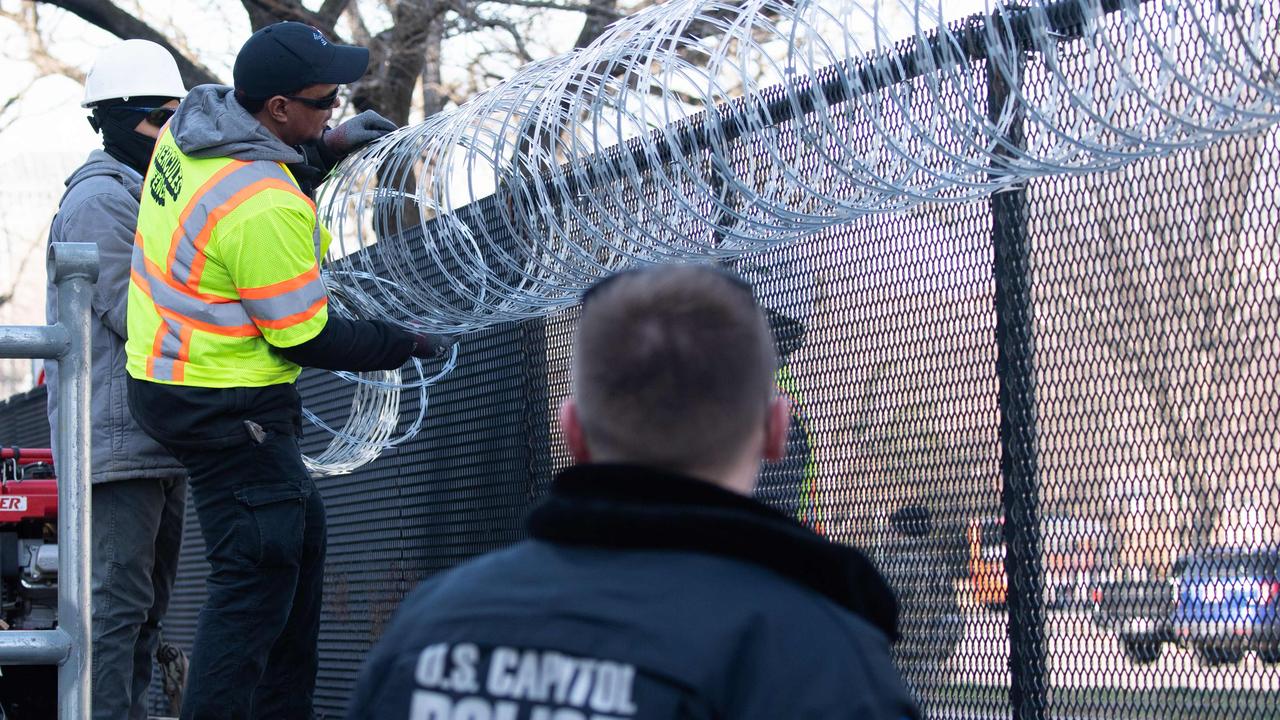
(133, 68)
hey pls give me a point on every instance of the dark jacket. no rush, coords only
(650, 596)
(100, 206)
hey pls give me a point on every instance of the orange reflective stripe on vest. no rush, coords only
(226, 273)
(177, 290)
(287, 302)
(184, 254)
(235, 194)
(211, 313)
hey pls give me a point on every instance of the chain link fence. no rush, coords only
(1052, 418)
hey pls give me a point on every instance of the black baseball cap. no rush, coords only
(288, 56)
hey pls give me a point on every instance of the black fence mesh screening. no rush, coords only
(1051, 417)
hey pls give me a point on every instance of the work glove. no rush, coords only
(428, 346)
(356, 132)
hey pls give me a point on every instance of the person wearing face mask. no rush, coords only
(139, 489)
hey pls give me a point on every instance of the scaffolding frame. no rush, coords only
(73, 268)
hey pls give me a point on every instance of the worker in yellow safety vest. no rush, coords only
(226, 304)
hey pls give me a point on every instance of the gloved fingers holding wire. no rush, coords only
(431, 346)
(356, 132)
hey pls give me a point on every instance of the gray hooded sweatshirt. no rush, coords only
(210, 123)
(100, 206)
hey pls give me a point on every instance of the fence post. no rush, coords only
(73, 268)
(1015, 372)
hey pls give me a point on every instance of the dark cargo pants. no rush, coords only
(263, 524)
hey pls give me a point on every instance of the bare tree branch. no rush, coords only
(108, 16)
(397, 59)
(474, 20)
(434, 92)
(404, 56)
(38, 54)
(607, 10)
(331, 10)
(359, 30)
(7, 108)
(267, 12)
(599, 14)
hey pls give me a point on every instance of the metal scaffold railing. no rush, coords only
(73, 267)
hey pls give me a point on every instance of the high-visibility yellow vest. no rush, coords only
(808, 510)
(225, 266)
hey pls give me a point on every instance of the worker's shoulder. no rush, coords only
(776, 613)
(102, 175)
(675, 612)
(786, 612)
(93, 199)
(274, 198)
(273, 178)
(222, 178)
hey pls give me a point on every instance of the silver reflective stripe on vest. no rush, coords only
(315, 239)
(285, 304)
(162, 369)
(170, 351)
(227, 314)
(295, 301)
(214, 198)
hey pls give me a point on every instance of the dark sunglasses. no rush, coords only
(157, 116)
(320, 103)
(733, 278)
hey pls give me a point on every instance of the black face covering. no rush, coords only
(119, 138)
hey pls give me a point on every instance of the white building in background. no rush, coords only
(31, 183)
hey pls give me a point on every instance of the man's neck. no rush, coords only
(264, 118)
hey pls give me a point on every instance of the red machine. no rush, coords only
(28, 539)
(28, 574)
(29, 583)
(28, 490)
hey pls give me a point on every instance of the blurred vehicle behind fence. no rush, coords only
(1227, 603)
(1139, 611)
(1077, 554)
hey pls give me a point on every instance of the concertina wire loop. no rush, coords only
(506, 207)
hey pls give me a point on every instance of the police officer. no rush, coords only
(653, 586)
(225, 304)
(139, 489)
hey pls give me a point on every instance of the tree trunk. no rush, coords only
(433, 96)
(397, 59)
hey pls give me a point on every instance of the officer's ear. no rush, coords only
(777, 424)
(574, 436)
(277, 108)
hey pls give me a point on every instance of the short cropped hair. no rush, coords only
(673, 367)
(254, 105)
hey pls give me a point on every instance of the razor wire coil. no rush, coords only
(555, 153)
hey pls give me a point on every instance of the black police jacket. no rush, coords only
(646, 596)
